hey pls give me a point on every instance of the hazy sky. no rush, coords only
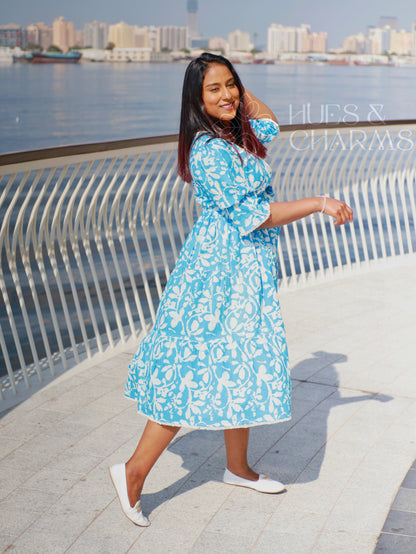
(218, 17)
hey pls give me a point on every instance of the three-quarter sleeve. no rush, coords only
(249, 214)
(265, 129)
(220, 182)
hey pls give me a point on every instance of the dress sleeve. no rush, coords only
(219, 181)
(248, 214)
(264, 129)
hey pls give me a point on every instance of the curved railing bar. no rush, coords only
(17, 238)
(112, 220)
(61, 231)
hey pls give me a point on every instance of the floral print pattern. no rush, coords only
(217, 356)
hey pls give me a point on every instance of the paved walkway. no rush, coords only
(343, 456)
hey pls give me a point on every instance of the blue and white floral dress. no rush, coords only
(217, 356)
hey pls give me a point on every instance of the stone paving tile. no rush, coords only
(104, 543)
(39, 417)
(29, 500)
(113, 402)
(14, 521)
(288, 519)
(242, 498)
(5, 542)
(105, 439)
(395, 544)
(70, 401)
(109, 532)
(88, 416)
(400, 523)
(20, 431)
(8, 445)
(220, 542)
(409, 482)
(51, 479)
(354, 511)
(272, 541)
(343, 542)
(14, 470)
(243, 522)
(74, 460)
(34, 541)
(171, 531)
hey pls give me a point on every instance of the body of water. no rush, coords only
(52, 105)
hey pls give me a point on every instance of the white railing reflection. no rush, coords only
(89, 234)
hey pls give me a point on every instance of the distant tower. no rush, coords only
(414, 39)
(388, 20)
(192, 19)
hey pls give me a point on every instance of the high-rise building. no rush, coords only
(318, 42)
(141, 37)
(95, 34)
(240, 40)
(63, 33)
(217, 43)
(12, 35)
(414, 39)
(79, 38)
(378, 40)
(173, 38)
(192, 19)
(39, 33)
(355, 44)
(388, 21)
(401, 42)
(153, 34)
(294, 39)
(121, 35)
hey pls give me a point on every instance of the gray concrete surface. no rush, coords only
(343, 456)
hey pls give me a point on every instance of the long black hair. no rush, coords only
(194, 117)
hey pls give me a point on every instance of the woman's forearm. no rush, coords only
(257, 109)
(282, 213)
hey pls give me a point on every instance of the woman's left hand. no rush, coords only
(338, 210)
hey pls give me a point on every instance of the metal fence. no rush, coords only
(89, 234)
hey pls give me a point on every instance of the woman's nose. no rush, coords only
(226, 93)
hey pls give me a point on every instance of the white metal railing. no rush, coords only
(89, 234)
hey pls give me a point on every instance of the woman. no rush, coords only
(217, 357)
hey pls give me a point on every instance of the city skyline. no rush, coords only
(219, 17)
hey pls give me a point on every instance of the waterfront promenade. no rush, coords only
(343, 456)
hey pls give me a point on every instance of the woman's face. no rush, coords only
(220, 93)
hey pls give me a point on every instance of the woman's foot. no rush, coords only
(261, 484)
(134, 513)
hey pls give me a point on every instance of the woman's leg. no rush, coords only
(236, 443)
(153, 442)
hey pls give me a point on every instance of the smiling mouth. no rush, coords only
(227, 106)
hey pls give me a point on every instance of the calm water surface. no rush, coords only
(51, 105)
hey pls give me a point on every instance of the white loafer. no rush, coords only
(118, 476)
(263, 484)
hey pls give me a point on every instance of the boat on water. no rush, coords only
(54, 57)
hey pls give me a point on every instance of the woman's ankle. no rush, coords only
(135, 482)
(244, 472)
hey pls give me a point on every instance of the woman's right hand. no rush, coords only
(337, 209)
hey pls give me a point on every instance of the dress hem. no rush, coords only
(208, 428)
